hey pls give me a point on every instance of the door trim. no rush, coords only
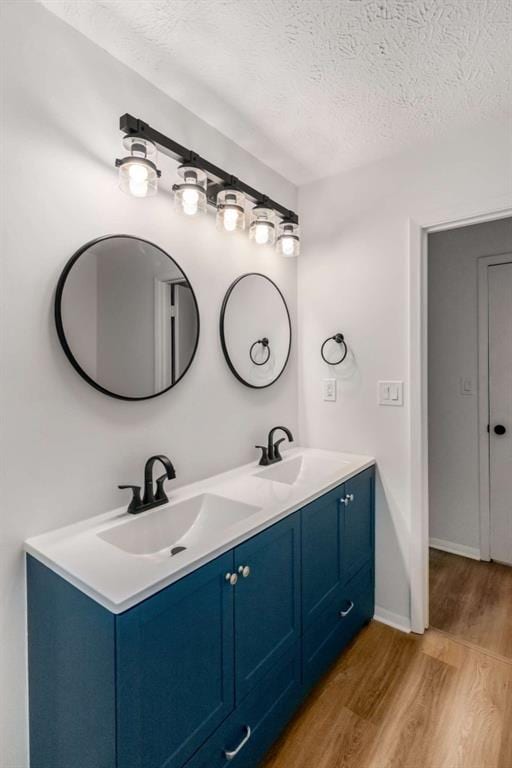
(420, 224)
(484, 262)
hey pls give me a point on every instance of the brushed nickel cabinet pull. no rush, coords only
(345, 613)
(234, 753)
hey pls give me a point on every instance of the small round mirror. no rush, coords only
(255, 330)
(127, 317)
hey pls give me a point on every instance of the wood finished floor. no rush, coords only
(404, 701)
(472, 600)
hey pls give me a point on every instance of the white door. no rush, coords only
(500, 410)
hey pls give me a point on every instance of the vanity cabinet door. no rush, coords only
(321, 553)
(175, 669)
(357, 528)
(267, 601)
(244, 738)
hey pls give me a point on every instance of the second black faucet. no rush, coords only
(270, 453)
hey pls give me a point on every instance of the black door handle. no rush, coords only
(499, 429)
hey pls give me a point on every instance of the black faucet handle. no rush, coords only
(136, 501)
(277, 452)
(264, 454)
(160, 492)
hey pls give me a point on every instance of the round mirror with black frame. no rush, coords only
(255, 330)
(127, 317)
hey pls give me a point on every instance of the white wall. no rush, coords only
(453, 354)
(353, 277)
(66, 446)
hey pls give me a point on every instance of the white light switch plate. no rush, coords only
(466, 385)
(329, 389)
(391, 393)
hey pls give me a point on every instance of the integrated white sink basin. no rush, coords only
(303, 469)
(179, 526)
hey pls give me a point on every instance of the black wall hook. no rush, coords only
(265, 344)
(339, 339)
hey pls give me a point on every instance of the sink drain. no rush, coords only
(177, 550)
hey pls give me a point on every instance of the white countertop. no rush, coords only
(118, 580)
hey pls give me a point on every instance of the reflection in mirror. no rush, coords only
(255, 330)
(127, 317)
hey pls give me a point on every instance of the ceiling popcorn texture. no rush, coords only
(314, 87)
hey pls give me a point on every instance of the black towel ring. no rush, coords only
(265, 344)
(339, 339)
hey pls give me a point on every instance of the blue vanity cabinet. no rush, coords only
(267, 601)
(321, 553)
(357, 525)
(175, 664)
(337, 541)
(337, 571)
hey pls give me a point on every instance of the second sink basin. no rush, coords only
(178, 526)
(302, 469)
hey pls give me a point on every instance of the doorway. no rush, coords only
(470, 432)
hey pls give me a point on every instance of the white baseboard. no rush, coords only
(394, 620)
(455, 549)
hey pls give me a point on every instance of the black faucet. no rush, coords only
(270, 453)
(150, 499)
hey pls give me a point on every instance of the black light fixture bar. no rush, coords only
(217, 178)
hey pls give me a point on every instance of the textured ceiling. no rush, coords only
(312, 87)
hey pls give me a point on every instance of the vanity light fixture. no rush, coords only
(230, 210)
(138, 175)
(203, 183)
(262, 229)
(288, 240)
(190, 194)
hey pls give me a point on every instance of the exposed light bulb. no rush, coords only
(190, 194)
(230, 219)
(190, 201)
(230, 210)
(138, 179)
(138, 188)
(287, 246)
(138, 172)
(261, 234)
(262, 230)
(138, 175)
(288, 242)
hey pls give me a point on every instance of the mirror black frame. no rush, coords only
(60, 325)
(223, 338)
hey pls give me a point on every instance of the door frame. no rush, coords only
(161, 360)
(484, 262)
(419, 228)
(166, 338)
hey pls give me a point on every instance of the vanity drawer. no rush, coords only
(266, 710)
(343, 618)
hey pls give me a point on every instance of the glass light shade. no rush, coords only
(190, 194)
(262, 229)
(138, 175)
(230, 210)
(288, 240)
